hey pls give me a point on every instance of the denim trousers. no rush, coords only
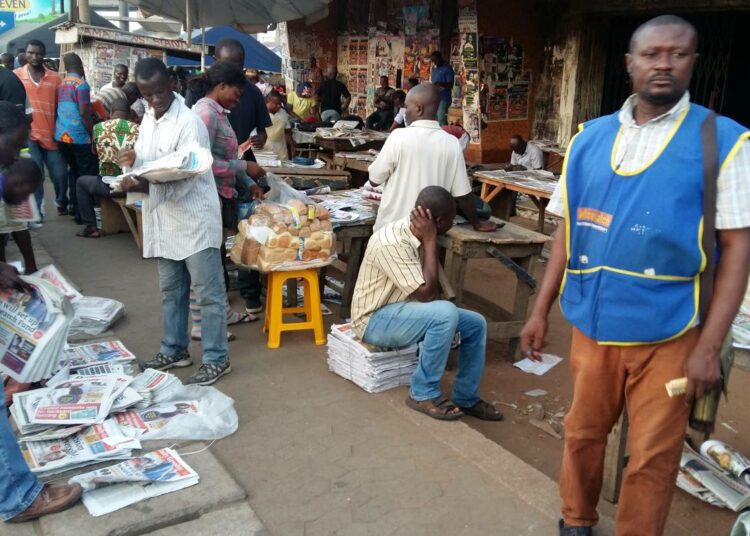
(82, 162)
(57, 168)
(18, 485)
(443, 113)
(89, 188)
(433, 325)
(204, 271)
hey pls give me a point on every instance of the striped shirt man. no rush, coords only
(43, 100)
(390, 272)
(639, 145)
(183, 217)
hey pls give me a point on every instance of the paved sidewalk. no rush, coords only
(314, 453)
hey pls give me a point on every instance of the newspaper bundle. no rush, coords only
(155, 473)
(94, 316)
(97, 353)
(93, 444)
(155, 386)
(85, 400)
(717, 475)
(33, 330)
(187, 162)
(373, 369)
(52, 275)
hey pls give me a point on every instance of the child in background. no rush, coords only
(280, 132)
(19, 181)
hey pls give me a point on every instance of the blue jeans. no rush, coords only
(18, 485)
(443, 112)
(433, 325)
(57, 168)
(205, 272)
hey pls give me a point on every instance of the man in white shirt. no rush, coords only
(422, 155)
(182, 228)
(119, 77)
(525, 155)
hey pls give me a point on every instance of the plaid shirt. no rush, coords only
(224, 145)
(639, 144)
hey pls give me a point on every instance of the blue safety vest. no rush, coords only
(634, 238)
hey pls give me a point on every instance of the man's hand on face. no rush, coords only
(422, 225)
(10, 278)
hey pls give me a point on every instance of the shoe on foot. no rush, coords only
(209, 373)
(35, 225)
(164, 362)
(253, 307)
(62, 211)
(574, 531)
(51, 499)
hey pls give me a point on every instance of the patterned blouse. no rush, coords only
(226, 165)
(110, 137)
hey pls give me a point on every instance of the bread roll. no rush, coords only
(305, 232)
(315, 226)
(325, 225)
(317, 235)
(292, 230)
(322, 213)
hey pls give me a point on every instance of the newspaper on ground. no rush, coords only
(97, 353)
(540, 368)
(705, 479)
(184, 163)
(105, 368)
(54, 433)
(85, 400)
(51, 274)
(23, 408)
(95, 443)
(155, 473)
(155, 386)
(33, 330)
(94, 316)
(371, 368)
(728, 458)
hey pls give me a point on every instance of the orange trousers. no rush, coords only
(605, 378)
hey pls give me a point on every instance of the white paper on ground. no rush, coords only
(540, 368)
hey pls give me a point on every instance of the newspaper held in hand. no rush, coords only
(708, 481)
(97, 353)
(95, 443)
(373, 369)
(33, 330)
(187, 162)
(94, 316)
(51, 274)
(153, 474)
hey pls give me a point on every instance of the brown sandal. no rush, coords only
(484, 411)
(439, 408)
(90, 232)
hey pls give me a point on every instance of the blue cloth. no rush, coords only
(205, 271)
(18, 485)
(69, 127)
(635, 257)
(433, 325)
(443, 73)
(57, 168)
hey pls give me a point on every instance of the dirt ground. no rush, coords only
(505, 384)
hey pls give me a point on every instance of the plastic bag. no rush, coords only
(742, 526)
(280, 192)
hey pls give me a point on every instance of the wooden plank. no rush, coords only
(134, 229)
(504, 330)
(742, 359)
(113, 221)
(614, 459)
(510, 233)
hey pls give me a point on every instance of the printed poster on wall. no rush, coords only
(417, 54)
(468, 51)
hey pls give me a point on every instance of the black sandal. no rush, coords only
(90, 232)
(439, 408)
(484, 411)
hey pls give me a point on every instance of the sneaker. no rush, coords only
(209, 373)
(574, 531)
(165, 362)
(253, 307)
(49, 501)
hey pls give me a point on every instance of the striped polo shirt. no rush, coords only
(390, 272)
(43, 100)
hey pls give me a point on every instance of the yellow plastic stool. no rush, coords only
(274, 318)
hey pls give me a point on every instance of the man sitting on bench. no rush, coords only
(110, 137)
(396, 304)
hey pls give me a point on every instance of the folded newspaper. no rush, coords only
(189, 161)
(85, 400)
(33, 330)
(373, 369)
(93, 444)
(94, 316)
(97, 353)
(156, 473)
(51, 274)
(718, 475)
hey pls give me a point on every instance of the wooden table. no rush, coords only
(306, 178)
(462, 243)
(500, 185)
(336, 145)
(340, 161)
(554, 155)
(352, 239)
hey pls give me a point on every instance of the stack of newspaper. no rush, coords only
(33, 330)
(155, 386)
(93, 316)
(84, 400)
(187, 162)
(373, 369)
(52, 275)
(93, 444)
(153, 474)
(97, 353)
(141, 423)
(718, 475)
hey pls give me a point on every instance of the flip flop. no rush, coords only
(484, 411)
(241, 318)
(230, 337)
(439, 408)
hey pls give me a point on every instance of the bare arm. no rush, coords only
(535, 330)
(425, 230)
(467, 206)
(702, 366)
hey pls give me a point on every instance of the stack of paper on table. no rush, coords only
(153, 474)
(33, 330)
(373, 369)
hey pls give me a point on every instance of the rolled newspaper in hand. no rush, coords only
(676, 387)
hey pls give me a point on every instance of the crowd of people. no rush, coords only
(630, 199)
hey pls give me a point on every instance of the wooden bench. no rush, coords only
(133, 218)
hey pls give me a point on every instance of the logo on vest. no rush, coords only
(596, 219)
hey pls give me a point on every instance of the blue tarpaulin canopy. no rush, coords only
(257, 55)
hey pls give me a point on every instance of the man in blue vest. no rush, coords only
(628, 259)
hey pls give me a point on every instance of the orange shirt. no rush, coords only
(43, 100)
